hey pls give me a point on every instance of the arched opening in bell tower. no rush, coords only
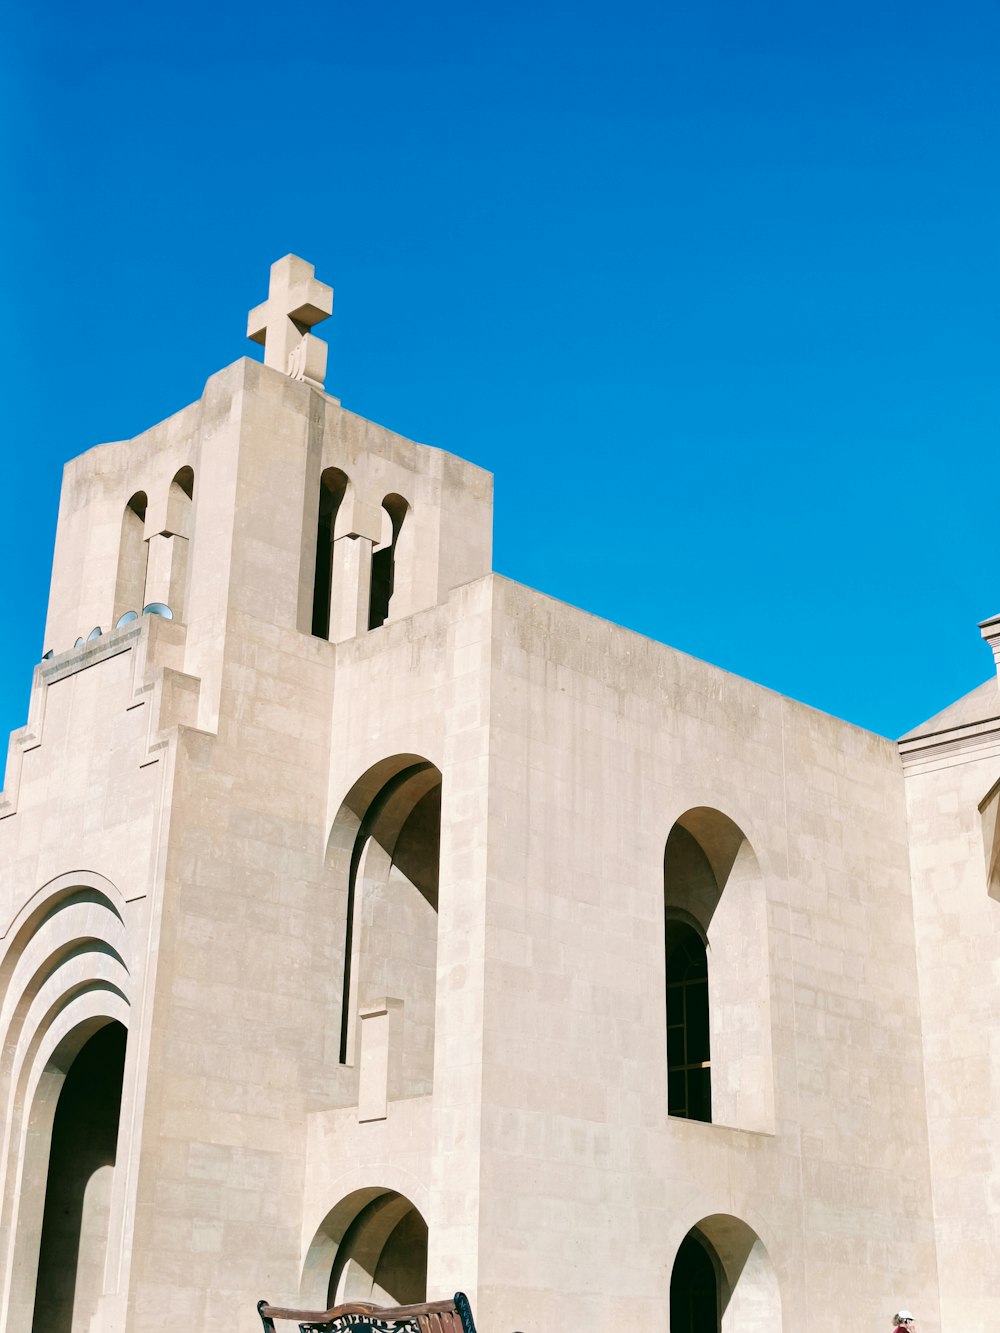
(130, 582)
(383, 584)
(332, 489)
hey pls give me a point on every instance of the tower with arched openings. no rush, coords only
(372, 926)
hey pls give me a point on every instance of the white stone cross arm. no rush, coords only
(295, 302)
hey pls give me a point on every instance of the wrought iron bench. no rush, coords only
(454, 1316)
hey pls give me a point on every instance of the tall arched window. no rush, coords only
(169, 545)
(385, 853)
(180, 526)
(384, 560)
(130, 583)
(717, 975)
(184, 481)
(332, 488)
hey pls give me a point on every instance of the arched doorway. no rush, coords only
(84, 1141)
(371, 1247)
(723, 1281)
(65, 984)
(694, 1289)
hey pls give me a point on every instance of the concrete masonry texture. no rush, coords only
(382, 911)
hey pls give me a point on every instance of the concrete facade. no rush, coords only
(361, 873)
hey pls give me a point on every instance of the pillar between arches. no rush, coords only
(350, 587)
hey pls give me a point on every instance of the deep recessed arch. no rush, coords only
(180, 524)
(333, 487)
(130, 581)
(169, 547)
(64, 976)
(717, 974)
(385, 560)
(57, 1171)
(723, 1281)
(384, 855)
(70, 931)
(184, 481)
(372, 1246)
(79, 1183)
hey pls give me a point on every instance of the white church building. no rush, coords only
(373, 926)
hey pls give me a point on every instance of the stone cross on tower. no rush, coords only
(295, 302)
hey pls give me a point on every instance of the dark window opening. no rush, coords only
(689, 1073)
(694, 1290)
(383, 582)
(185, 480)
(333, 485)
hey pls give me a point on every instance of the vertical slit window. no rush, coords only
(130, 583)
(689, 1072)
(384, 561)
(333, 485)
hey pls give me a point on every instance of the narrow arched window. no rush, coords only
(689, 1061)
(169, 547)
(383, 583)
(180, 531)
(386, 850)
(184, 481)
(130, 583)
(332, 488)
(716, 954)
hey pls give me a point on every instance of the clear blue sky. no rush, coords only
(712, 288)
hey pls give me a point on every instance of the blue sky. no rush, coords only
(712, 288)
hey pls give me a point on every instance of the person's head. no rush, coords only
(903, 1320)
